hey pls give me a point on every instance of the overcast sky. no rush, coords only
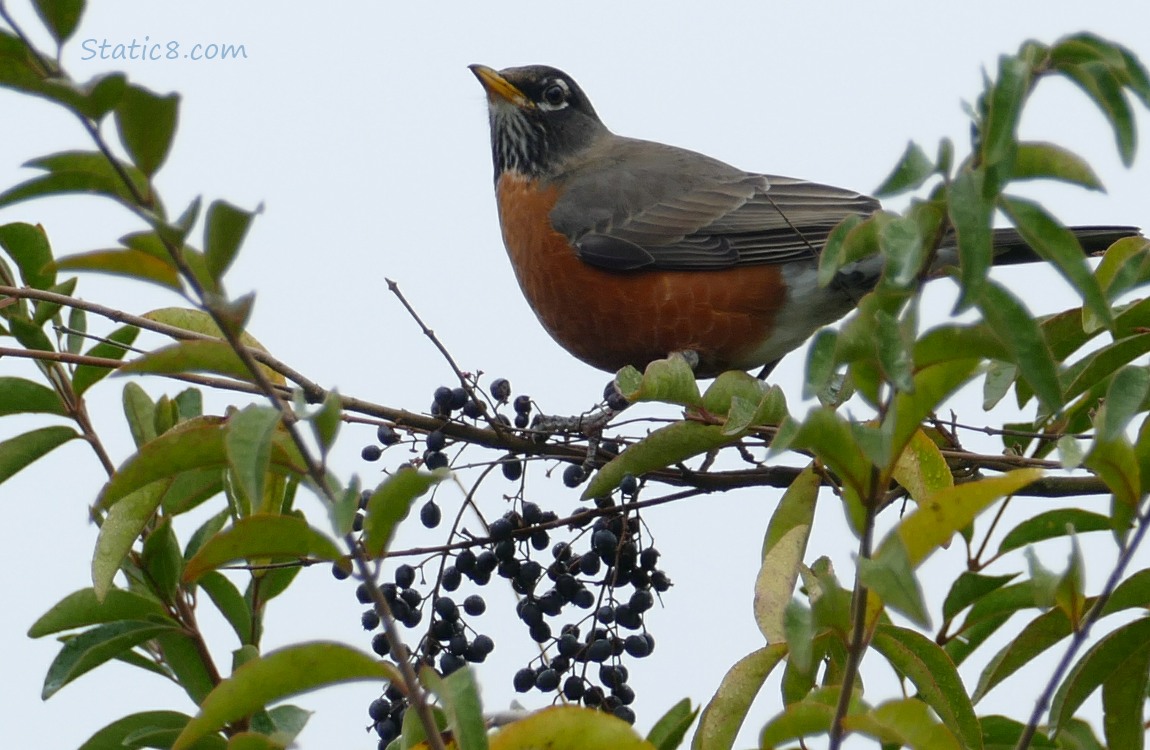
(360, 130)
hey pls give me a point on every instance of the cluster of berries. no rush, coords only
(583, 598)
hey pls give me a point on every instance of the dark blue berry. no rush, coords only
(589, 565)
(371, 452)
(522, 405)
(500, 390)
(524, 680)
(625, 713)
(659, 581)
(430, 515)
(605, 614)
(648, 558)
(458, 398)
(362, 595)
(436, 441)
(573, 688)
(584, 599)
(443, 396)
(445, 607)
(387, 730)
(512, 467)
(500, 528)
(629, 485)
(369, 620)
(452, 578)
(386, 434)
(540, 632)
(338, 571)
(412, 597)
(547, 680)
(599, 650)
(605, 543)
(641, 601)
(636, 645)
(486, 562)
(434, 460)
(540, 539)
(404, 576)
(473, 410)
(465, 561)
(474, 605)
(449, 663)
(379, 709)
(522, 420)
(574, 475)
(380, 645)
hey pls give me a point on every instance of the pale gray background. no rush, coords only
(360, 129)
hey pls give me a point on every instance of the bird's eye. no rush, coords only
(554, 94)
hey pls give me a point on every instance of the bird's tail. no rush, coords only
(1010, 248)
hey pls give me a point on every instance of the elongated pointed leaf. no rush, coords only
(1098, 81)
(79, 172)
(569, 728)
(122, 526)
(28, 246)
(970, 213)
(459, 694)
(912, 169)
(93, 647)
(783, 550)
(1052, 524)
(18, 452)
(224, 232)
(1124, 701)
(191, 356)
(1058, 245)
(82, 608)
(1036, 160)
(20, 396)
(1107, 658)
(60, 16)
(249, 447)
(663, 447)
(147, 123)
(724, 714)
(903, 723)
(277, 675)
(116, 346)
(130, 263)
(1016, 328)
(261, 536)
(969, 588)
(1006, 100)
(669, 731)
(391, 502)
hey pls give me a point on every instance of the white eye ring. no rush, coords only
(554, 95)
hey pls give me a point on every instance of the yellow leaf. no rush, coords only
(569, 728)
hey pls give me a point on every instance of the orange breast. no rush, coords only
(609, 319)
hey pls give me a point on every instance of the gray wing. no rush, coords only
(646, 205)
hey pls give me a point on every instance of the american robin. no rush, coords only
(628, 250)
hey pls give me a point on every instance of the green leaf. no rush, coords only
(833, 255)
(123, 524)
(18, 452)
(81, 609)
(930, 669)
(60, 16)
(1050, 525)
(80, 172)
(1058, 245)
(1098, 81)
(115, 346)
(147, 123)
(669, 380)
(261, 536)
(325, 422)
(821, 365)
(249, 447)
(811, 716)
(1037, 160)
(1001, 733)
(282, 724)
(890, 576)
(224, 232)
(904, 723)
(783, 549)
(662, 447)
(459, 694)
(198, 321)
(1112, 656)
(921, 468)
(1006, 100)
(93, 647)
(927, 528)
(230, 602)
(115, 736)
(1124, 398)
(161, 559)
(391, 502)
(669, 731)
(970, 213)
(28, 245)
(1015, 326)
(277, 675)
(725, 712)
(912, 169)
(969, 588)
(191, 356)
(1037, 636)
(1124, 701)
(132, 264)
(20, 396)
